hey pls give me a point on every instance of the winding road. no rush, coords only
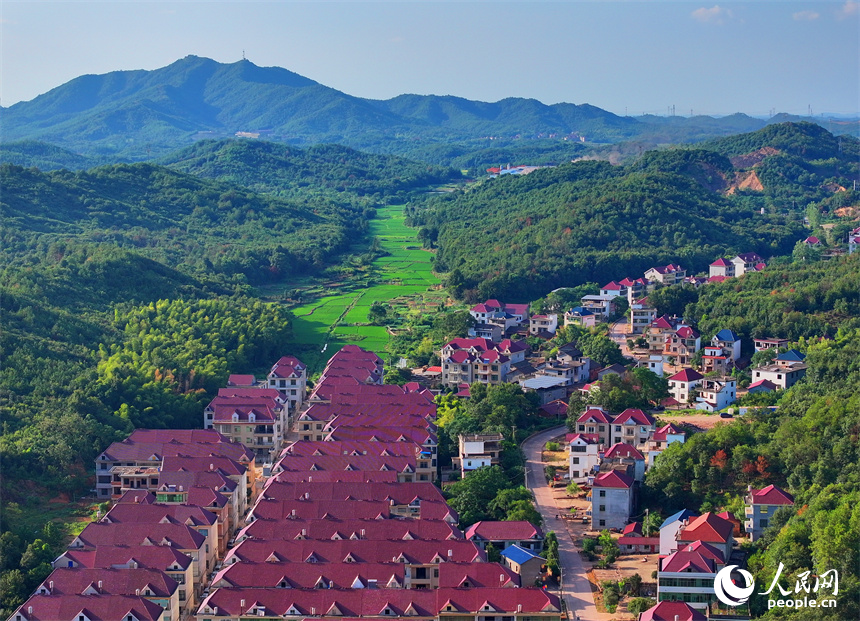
(576, 590)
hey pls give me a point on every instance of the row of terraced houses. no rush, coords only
(345, 522)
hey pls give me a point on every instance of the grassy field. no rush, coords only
(402, 278)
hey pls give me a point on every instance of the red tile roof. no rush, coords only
(772, 495)
(163, 558)
(687, 333)
(687, 375)
(349, 528)
(706, 550)
(107, 581)
(154, 513)
(683, 561)
(613, 479)
(340, 475)
(503, 531)
(241, 380)
(612, 286)
(708, 527)
(308, 576)
(622, 449)
(178, 536)
(359, 551)
(101, 607)
(634, 415)
(672, 611)
(399, 493)
(588, 438)
(721, 262)
(598, 416)
(353, 603)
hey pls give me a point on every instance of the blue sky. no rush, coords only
(639, 57)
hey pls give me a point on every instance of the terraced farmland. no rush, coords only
(402, 278)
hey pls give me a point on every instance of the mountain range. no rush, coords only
(140, 114)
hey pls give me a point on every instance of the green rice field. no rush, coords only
(403, 278)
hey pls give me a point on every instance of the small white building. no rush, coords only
(716, 393)
(683, 383)
(543, 323)
(611, 500)
(583, 457)
(477, 451)
(580, 316)
(781, 376)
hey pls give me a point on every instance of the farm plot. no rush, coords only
(404, 278)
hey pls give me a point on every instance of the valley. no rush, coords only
(337, 313)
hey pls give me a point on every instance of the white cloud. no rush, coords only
(849, 9)
(715, 15)
(805, 16)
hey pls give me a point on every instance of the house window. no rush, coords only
(763, 523)
(602, 493)
(575, 460)
(602, 508)
(602, 522)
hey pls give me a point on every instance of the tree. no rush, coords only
(377, 314)
(398, 376)
(652, 387)
(651, 524)
(572, 488)
(639, 605)
(471, 496)
(493, 554)
(633, 584)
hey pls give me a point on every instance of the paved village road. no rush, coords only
(576, 590)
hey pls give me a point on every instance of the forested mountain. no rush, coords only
(195, 225)
(285, 170)
(520, 237)
(142, 114)
(45, 156)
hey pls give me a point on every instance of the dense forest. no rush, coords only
(520, 237)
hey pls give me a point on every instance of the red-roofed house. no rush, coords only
(721, 267)
(598, 421)
(289, 376)
(659, 330)
(812, 241)
(666, 274)
(672, 611)
(506, 534)
(172, 562)
(151, 584)
(633, 542)
(682, 344)
(688, 575)
(747, 262)
(663, 437)
(709, 528)
(625, 454)
(761, 504)
(632, 426)
(683, 383)
(242, 381)
(611, 500)
(89, 608)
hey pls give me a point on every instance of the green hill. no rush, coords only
(290, 171)
(196, 225)
(520, 237)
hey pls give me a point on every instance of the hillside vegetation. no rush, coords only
(520, 237)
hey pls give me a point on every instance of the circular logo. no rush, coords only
(727, 591)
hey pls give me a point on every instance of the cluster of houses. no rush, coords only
(178, 494)
(345, 522)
